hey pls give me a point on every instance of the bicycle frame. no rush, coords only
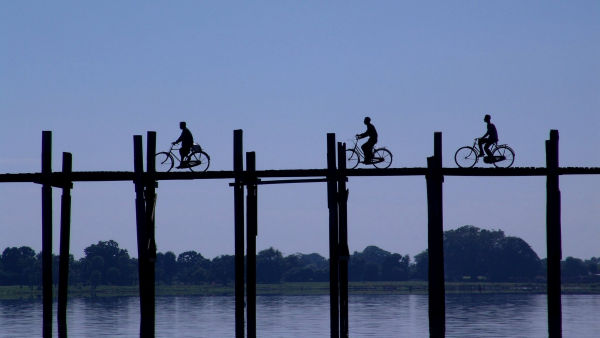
(358, 150)
(382, 157)
(172, 152)
(476, 147)
(468, 156)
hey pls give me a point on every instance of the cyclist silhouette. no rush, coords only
(187, 140)
(367, 147)
(489, 138)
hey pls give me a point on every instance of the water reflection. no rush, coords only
(308, 316)
(496, 315)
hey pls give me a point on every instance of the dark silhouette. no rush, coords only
(187, 140)
(470, 254)
(500, 155)
(490, 137)
(503, 156)
(367, 147)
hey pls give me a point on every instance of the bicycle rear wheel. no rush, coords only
(352, 159)
(199, 161)
(507, 155)
(382, 158)
(465, 157)
(164, 162)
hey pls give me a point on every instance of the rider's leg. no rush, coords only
(183, 152)
(481, 142)
(367, 149)
(487, 148)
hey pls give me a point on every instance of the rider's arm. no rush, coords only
(179, 139)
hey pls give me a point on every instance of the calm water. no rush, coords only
(308, 316)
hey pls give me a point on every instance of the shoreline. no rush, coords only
(300, 289)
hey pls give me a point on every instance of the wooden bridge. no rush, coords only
(245, 213)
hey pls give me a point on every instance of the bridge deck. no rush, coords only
(101, 176)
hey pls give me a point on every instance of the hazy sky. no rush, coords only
(288, 72)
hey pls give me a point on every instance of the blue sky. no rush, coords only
(287, 73)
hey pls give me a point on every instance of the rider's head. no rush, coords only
(487, 118)
(181, 125)
(367, 120)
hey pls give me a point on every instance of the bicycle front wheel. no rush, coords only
(382, 158)
(164, 162)
(465, 157)
(199, 161)
(352, 159)
(505, 157)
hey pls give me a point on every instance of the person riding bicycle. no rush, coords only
(367, 147)
(187, 140)
(489, 138)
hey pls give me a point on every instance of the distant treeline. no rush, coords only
(470, 254)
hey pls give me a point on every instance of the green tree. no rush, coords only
(470, 252)
(395, 267)
(223, 269)
(19, 266)
(192, 268)
(573, 269)
(166, 267)
(420, 270)
(104, 256)
(269, 266)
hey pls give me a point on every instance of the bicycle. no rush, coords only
(382, 158)
(197, 159)
(502, 155)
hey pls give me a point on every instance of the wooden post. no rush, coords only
(238, 201)
(47, 233)
(251, 232)
(344, 252)
(437, 293)
(150, 206)
(333, 236)
(65, 239)
(146, 327)
(553, 237)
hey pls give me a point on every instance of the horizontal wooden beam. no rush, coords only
(59, 179)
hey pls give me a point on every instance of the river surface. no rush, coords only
(473, 315)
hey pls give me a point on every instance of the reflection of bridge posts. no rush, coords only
(553, 237)
(238, 204)
(47, 233)
(332, 203)
(65, 234)
(251, 232)
(437, 293)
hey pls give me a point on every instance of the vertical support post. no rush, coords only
(553, 237)
(238, 201)
(47, 233)
(251, 232)
(344, 252)
(437, 292)
(146, 330)
(333, 236)
(65, 239)
(150, 243)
